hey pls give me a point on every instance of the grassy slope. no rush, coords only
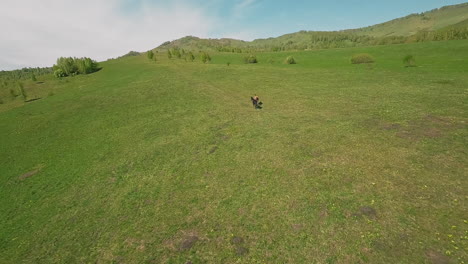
(138, 159)
(410, 25)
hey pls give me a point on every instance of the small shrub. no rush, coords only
(290, 60)
(271, 61)
(190, 56)
(59, 73)
(22, 91)
(362, 58)
(1, 101)
(51, 94)
(205, 57)
(13, 93)
(33, 77)
(150, 54)
(169, 54)
(228, 63)
(251, 59)
(409, 61)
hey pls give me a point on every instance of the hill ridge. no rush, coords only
(398, 30)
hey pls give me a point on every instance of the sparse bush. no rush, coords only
(362, 58)
(409, 61)
(250, 59)
(228, 63)
(73, 66)
(85, 66)
(290, 60)
(22, 91)
(190, 56)
(205, 57)
(169, 54)
(1, 101)
(175, 52)
(59, 73)
(150, 54)
(33, 77)
(13, 93)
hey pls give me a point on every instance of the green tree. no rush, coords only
(290, 60)
(190, 56)
(150, 54)
(205, 57)
(250, 59)
(22, 91)
(409, 61)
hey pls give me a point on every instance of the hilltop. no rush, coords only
(433, 20)
(432, 25)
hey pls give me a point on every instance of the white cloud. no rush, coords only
(244, 7)
(36, 33)
(244, 3)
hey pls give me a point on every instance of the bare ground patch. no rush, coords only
(365, 211)
(183, 241)
(427, 127)
(437, 258)
(239, 246)
(28, 174)
(188, 242)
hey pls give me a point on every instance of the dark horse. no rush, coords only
(256, 103)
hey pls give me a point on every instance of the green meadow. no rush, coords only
(168, 161)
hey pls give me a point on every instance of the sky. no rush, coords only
(35, 33)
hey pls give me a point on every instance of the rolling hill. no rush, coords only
(395, 31)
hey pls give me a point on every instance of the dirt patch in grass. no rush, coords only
(390, 126)
(28, 174)
(242, 251)
(429, 126)
(368, 211)
(437, 258)
(239, 247)
(188, 242)
(297, 227)
(136, 244)
(237, 240)
(182, 241)
(365, 211)
(213, 150)
(323, 215)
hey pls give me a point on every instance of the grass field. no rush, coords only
(168, 162)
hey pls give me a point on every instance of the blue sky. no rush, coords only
(47, 29)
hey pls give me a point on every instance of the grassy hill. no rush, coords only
(396, 31)
(168, 162)
(427, 21)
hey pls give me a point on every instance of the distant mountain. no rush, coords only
(448, 22)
